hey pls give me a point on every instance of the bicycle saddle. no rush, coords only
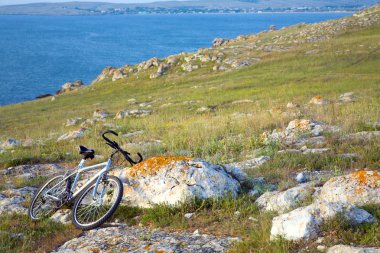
(87, 153)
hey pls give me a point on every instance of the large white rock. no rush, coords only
(13, 200)
(284, 201)
(171, 180)
(359, 188)
(352, 249)
(296, 225)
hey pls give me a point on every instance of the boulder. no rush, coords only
(359, 188)
(73, 121)
(188, 67)
(32, 170)
(160, 71)
(14, 200)
(100, 114)
(62, 216)
(347, 97)
(70, 86)
(133, 113)
(292, 105)
(304, 222)
(118, 74)
(318, 100)
(251, 163)
(351, 249)
(173, 180)
(297, 225)
(106, 73)
(287, 200)
(217, 42)
(10, 143)
(72, 135)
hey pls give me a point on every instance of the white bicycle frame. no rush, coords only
(78, 172)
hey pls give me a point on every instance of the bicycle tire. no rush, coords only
(106, 216)
(38, 193)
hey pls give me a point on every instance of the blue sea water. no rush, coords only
(40, 53)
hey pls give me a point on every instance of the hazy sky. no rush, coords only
(9, 2)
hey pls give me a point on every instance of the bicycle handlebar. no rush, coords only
(115, 145)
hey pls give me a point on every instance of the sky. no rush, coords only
(10, 2)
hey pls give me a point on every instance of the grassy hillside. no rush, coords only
(338, 61)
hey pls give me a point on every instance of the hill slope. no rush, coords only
(215, 104)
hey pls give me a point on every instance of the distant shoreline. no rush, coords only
(180, 14)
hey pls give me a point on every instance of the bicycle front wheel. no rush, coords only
(43, 206)
(91, 211)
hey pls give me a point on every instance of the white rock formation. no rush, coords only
(170, 180)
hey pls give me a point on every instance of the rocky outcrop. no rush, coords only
(121, 238)
(100, 114)
(29, 171)
(173, 180)
(339, 196)
(133, 113)
(352, 249)
(10, 143)
(15, 200)
(72, 135)
(360, 188)
(70, 86)
(299, 132)
(73, 121)
(287, 200)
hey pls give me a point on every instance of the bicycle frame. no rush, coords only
(78, 172)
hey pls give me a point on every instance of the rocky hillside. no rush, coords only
(263, 143)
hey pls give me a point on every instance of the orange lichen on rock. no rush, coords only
(152, 165)
(366, 179)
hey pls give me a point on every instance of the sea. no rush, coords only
(40, 53)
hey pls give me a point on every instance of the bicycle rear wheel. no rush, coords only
(42, 206)
(92, 211)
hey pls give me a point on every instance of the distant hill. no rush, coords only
(173, 7)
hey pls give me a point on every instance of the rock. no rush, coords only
(62, 216)
(304, 222)
(352, 249)
(127, 239)
(315, 150)
(242, 101)
(100, 114)
(73, 121)
(118, 74)
(297, 225)
(362, 136)
(149, 63)
(173, 180)
(272, 28)
(160, 71)
(10, 143)
(33, 170)
(172, 60)
(70, 86)
(359, 188)
(284, 201)
(347, 97)
(299, 132)
(301, 177)
(43, 96)
(133, 113)
(250, 164)
(204, 109)
(72, 135)
(292, 105)
(217, 42)
(189, 215)
(133, 134)
(53, 98)
(318, 100)
(89, 122)
(312, 52)
(106, 73)
(14, 200)
(321, 248)
(188, 67)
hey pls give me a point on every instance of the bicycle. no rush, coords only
(94, 202)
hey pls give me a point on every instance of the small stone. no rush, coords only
(237, 213)
(189, 215)
(301, 177)
(196, 232)
(320, 240)
(321, 248)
